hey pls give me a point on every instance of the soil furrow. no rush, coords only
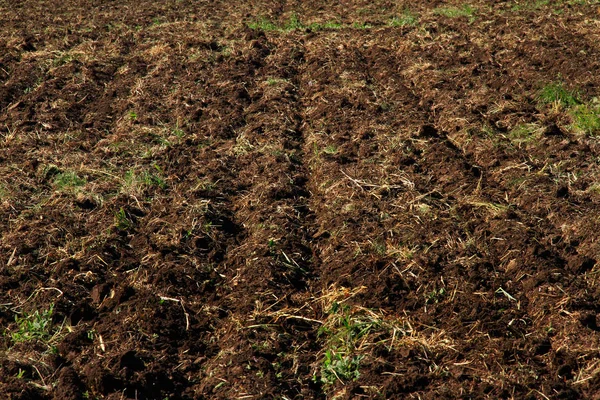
(268, 272)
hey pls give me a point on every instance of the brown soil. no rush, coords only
(229, 201)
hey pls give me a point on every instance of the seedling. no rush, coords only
(435, 296)
(207, 227)
(3, 192)
(274, 81)
(151, 179)
(34, 326)
(337, 367)
(122, 222)
(331, 149)
(63, 59)
(178, 132)
(379, 247)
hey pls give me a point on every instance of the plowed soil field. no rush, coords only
(299, 199)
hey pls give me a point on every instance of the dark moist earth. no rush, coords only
(299, 199)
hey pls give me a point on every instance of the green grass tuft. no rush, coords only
(34, 326)
(316, 26)
(295, 24)
(136, 183)
(361, 25)
(340, 360)
(585, 115)
(586, 119)
(457, 12)
(525, 133)
(263, 24)
(556, 93)
(406, 19)
(68, 180)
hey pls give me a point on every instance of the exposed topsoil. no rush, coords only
(299, 199)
